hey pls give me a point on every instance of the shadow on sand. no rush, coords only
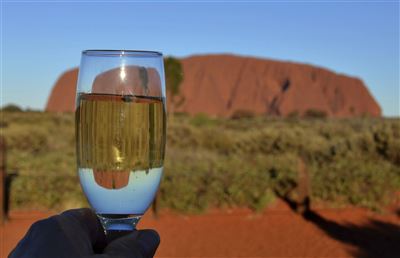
(375, 239)
(398, 212)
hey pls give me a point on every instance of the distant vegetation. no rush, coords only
(11, 108)
(173, 80)
(242, 113)
(315, 113)
(15, 108)
(220, 162)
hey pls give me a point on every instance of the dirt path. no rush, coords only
(277, 232)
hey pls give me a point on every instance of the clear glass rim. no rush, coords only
(121, 52)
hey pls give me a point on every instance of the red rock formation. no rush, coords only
(111, 179)
(222, 84)
(135, 80)
(62, 96)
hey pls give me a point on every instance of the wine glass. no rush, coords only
(120, 133)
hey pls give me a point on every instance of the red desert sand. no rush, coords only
(277, 232)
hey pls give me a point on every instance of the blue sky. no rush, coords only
(40, 39)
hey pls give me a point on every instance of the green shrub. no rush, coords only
(46, 192)
(357, 181)
(315, 113)
(11, 108)
(243, 114)
(219, 163)
(293, 115)
(201, 120)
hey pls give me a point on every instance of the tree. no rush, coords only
(174, 78)
(11, 108)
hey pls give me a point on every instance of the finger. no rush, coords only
(57, 236)
(35, 239)
(88, 222)
(114, 234)
(138, 244)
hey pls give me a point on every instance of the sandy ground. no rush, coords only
(277, 232)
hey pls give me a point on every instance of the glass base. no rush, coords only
(118, 222)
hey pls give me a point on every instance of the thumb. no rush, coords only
(138, 244)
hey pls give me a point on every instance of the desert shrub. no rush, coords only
(393, 151)
(184, 135)
(387, 141)
(183, 181)
(181, 114)
(293, 115)
(30, 139)
(315, 113)
(212, 181)
(201, 119)
(365, 142)
(250, 183)
(357, 181)
(214, 162)
(243, 114)
(46, 192)
(11, 108)
(218, 140)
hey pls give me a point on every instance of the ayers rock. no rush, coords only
(220, 85)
